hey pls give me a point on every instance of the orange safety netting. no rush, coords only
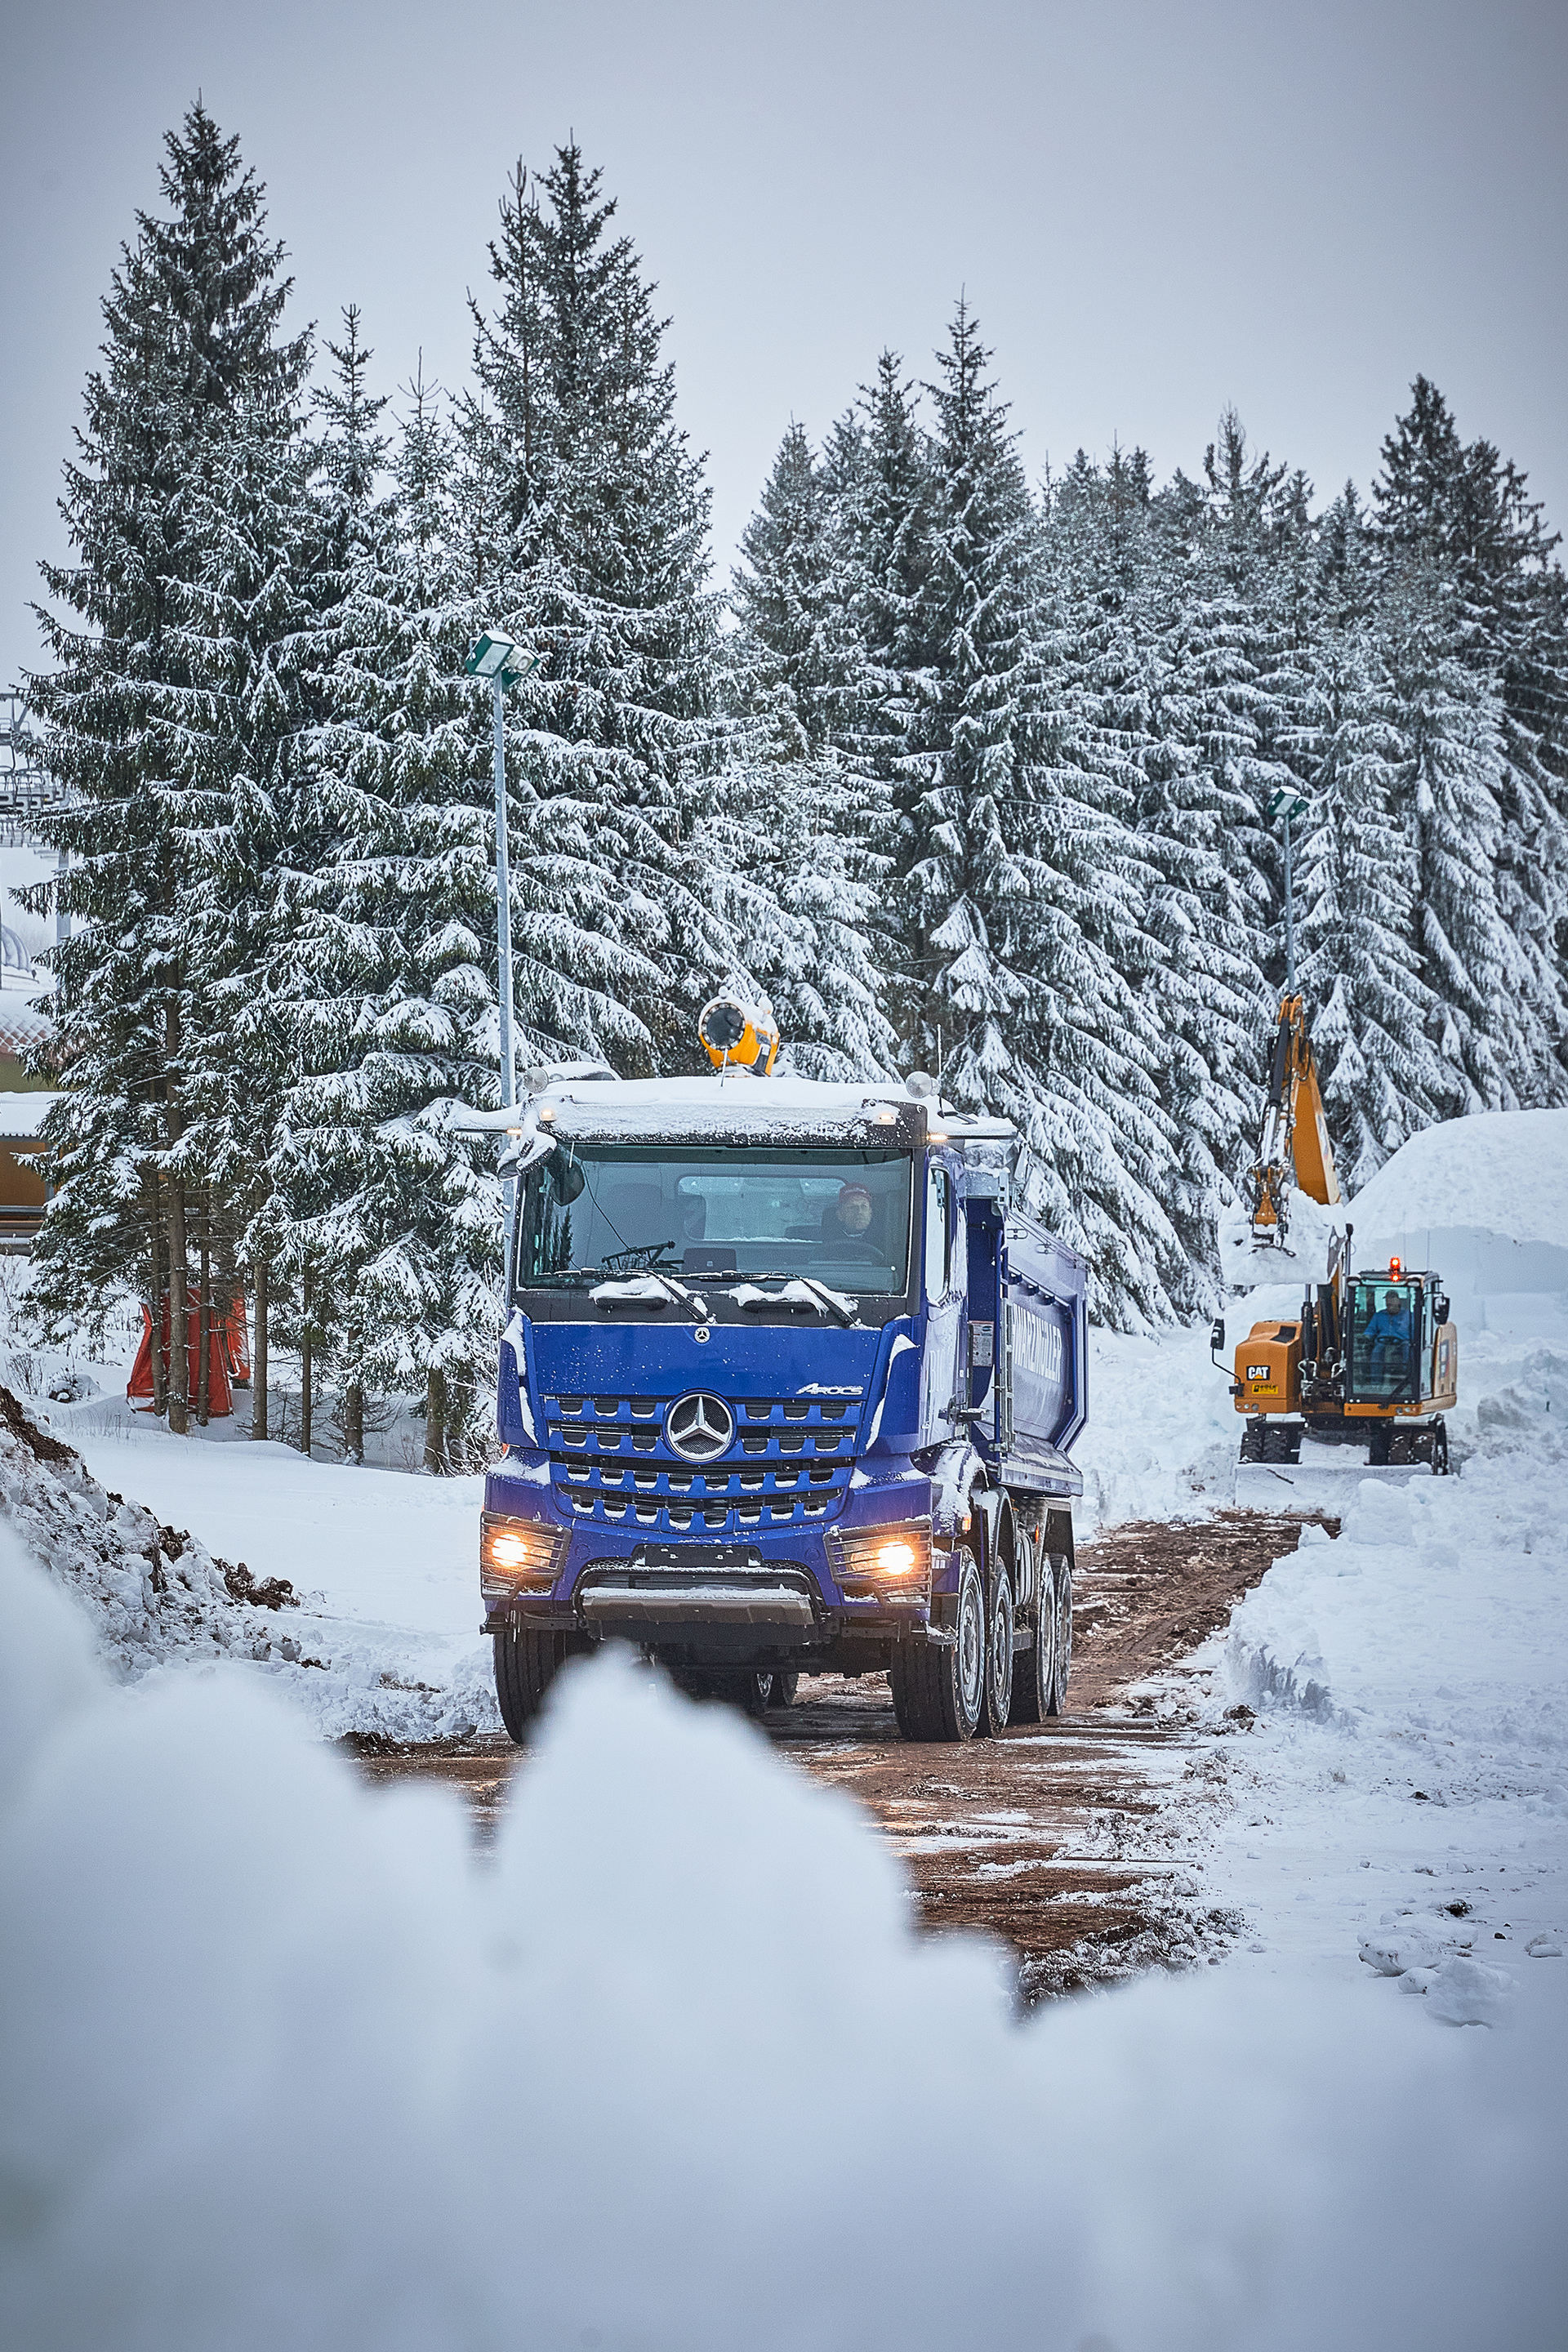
(228, 1356)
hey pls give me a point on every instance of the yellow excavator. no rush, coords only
(1373, 1360)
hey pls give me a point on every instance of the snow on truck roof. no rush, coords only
(589, 1103)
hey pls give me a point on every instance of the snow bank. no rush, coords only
(280, 2063)
(1503, 1172)
(153, 1593)
(1484, 1200)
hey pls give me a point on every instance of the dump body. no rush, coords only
(757, 1431)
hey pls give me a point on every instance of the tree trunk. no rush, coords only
(159, 1370)
(179, 1314)
(434, 1422)
(353, 1423)
(258, 1359)
(306, 1401)
(205, 1336)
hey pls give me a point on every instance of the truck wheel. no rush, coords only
(1058, 1700)
(526, 1665)
(999, 1616)
(1034, 1669)
(784, 1689)
(756, 1693)
(939, 1689)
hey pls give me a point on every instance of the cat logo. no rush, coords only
(1258, 1372)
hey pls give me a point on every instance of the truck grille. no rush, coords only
(789, 1464)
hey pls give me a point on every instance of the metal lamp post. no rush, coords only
(1289, 803)
(504, 664)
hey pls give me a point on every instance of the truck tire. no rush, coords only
(784, 1689)
(939, 1689)
(999, 1619)
(526, 1665)
(1062, 1576)
(1034, 1669)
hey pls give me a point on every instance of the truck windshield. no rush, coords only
(1385, 1336)
(596, 1211)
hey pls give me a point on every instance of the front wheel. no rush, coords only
(526, 1664)
(939, 1689)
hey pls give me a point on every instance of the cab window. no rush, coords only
(939, 1252)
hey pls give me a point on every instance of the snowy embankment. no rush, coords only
(353, 1592)
(1399, 1807)
(346, 2084)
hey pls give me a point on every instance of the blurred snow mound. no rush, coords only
(151, 1593)
(1255, 1677)
(1531, 1411)
(1502, 1172)
(347, 2087)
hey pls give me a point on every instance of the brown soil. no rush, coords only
(1053, 1838)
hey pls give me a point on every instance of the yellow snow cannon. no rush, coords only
(1293, 1140)
(1359, 1381)
(740, 1036)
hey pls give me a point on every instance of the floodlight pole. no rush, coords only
(503, 901)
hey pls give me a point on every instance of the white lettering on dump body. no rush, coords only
(1037, 1346)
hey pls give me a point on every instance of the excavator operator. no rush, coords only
(1389, 1334)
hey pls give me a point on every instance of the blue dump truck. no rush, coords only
(788, 1387)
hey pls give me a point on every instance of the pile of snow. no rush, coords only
(1484, 1200)
(1404, 1793)
(280, 2063)
(152, 1592)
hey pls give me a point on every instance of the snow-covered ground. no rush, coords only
(280, 2061)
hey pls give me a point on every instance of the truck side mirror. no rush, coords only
(1440, 1308)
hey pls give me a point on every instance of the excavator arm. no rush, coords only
(1293, 1140)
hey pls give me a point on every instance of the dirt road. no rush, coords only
(1050, 1837)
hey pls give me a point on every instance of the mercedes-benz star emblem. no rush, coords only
(700, 1427)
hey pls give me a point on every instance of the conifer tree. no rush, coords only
(593, 552)
(1021, 873)
(164, 714)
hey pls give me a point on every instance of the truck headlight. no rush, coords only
(518, 1555)
(884, 1563)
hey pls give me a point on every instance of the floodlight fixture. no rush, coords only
(492, 656)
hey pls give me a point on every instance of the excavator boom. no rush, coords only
(1293, 1141)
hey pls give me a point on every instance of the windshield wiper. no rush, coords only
(650, 1290)
(799, 1290)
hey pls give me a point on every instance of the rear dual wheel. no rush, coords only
(1040, 1673)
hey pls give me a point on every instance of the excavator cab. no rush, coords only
(1386, 1319)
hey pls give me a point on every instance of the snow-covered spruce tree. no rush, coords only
(587, 519)
(1462, 543)
(154, 717)
(791, 598)
(385, 990)
(1018, 871)
(1226, 615)
(1189, 957)
(1358, 967)
(790, 843)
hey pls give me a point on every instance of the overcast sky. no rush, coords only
(1155, 210)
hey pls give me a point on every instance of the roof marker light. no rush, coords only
(1396, 1268)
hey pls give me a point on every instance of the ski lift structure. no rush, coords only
(27, 792)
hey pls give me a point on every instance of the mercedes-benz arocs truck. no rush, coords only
(788, 1386)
